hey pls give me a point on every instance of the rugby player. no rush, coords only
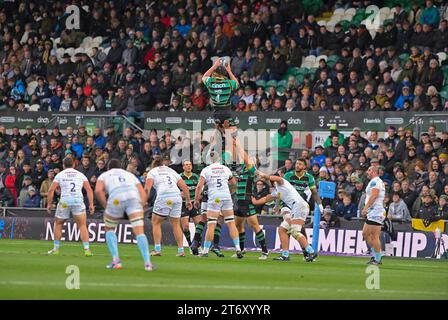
(300, 209)
(217, 177)
(245, 209)
(168, 203)
(71, 182)
(305, 185)
(125, 194)
(191, 180)
(375, 213)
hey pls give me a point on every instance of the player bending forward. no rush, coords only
(218, 177)
(125, 195)
(300, 209)
(71, 182)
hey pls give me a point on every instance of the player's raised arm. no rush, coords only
(231, 75)
(100, 193)
(89, 191)
(198, 191)
(53, 187)
(209, 72)
(270, 178)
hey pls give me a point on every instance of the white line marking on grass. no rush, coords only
(218, 287)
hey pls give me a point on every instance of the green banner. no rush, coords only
(297, 121)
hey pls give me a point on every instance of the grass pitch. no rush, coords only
(26, 272)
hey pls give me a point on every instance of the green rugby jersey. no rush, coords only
(191, 183)
(220, 91)
(302, 184)
(245, 183)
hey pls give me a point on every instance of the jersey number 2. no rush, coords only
(73, 187)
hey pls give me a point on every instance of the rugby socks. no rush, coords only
(86, 245)
(112, 244)
(262, 240)
(236, 243)
(180, 250)
(157, 247)
(376, 255)
(188, 237)
(207, 245)
(217, 234)
(142, 243)
(198, 232)
(56, 244)
(242, 239)
(309, 249)
(285, 253)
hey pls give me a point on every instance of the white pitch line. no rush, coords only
(219, 287)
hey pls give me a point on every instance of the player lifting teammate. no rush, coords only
(284, 191)
(245, 209)
(218, 178)
(305, 185)
(120, 193)
(71, 182)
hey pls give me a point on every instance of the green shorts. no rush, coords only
(245, 209)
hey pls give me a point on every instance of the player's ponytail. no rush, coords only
(156, 163)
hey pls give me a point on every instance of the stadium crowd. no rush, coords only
(415, 171)
(151, 54)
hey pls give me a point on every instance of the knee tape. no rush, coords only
(295, 231)
(229, 219)
(212, 220)
(110, 223)
(138, 222)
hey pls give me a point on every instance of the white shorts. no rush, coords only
(116, 208)
(203, 207)
(300, 211)
(218, 205)
(168, 207)
(63, 210)
(376, 215)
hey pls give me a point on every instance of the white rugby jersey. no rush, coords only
(217, 178)
(120, 184)
(165, 181)
(71, 182)
(287, 193)
(376, 183)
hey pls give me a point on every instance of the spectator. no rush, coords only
(347, 209)
(282, 140)
(398, 208)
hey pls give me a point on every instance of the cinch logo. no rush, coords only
(42, 120)
(219, 85)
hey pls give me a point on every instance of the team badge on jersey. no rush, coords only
(217, 200)
(64, 205)
(116, 202)
(169, 202)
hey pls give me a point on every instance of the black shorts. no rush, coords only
(189, 213)
(373, 223)
(245, 209)
(221, 115)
